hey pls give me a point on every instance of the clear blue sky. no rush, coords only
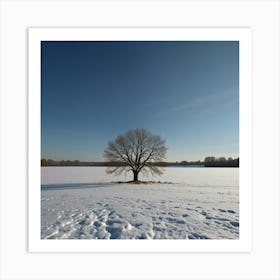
(187, 92)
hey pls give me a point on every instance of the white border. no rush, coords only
(243, 35)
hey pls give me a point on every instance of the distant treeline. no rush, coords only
(221, 162)
(50, 162)
(208, 162)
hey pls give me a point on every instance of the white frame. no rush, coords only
(243, 35)
(262, 16)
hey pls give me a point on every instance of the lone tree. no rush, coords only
(136, 150)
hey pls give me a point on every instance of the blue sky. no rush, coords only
(187, 92)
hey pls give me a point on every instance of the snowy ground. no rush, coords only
(85, 203)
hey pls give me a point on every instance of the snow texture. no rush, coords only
(190, 203)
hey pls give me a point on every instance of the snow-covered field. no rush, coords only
(190, 203)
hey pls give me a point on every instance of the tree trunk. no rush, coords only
(135, 175)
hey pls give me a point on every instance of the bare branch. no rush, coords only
(136, 150)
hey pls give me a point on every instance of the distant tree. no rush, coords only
(137, 151)
(210, 159)
(51, 162)
(221, 159)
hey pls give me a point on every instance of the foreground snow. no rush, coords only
(84, 203)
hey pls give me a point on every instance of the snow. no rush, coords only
(190, 203)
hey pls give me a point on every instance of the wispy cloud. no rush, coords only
(189, 104)
(200, 103)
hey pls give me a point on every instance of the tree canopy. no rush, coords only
(137, 151)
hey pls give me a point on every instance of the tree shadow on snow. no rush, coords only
(64, 186)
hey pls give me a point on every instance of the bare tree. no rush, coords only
(136, 150)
